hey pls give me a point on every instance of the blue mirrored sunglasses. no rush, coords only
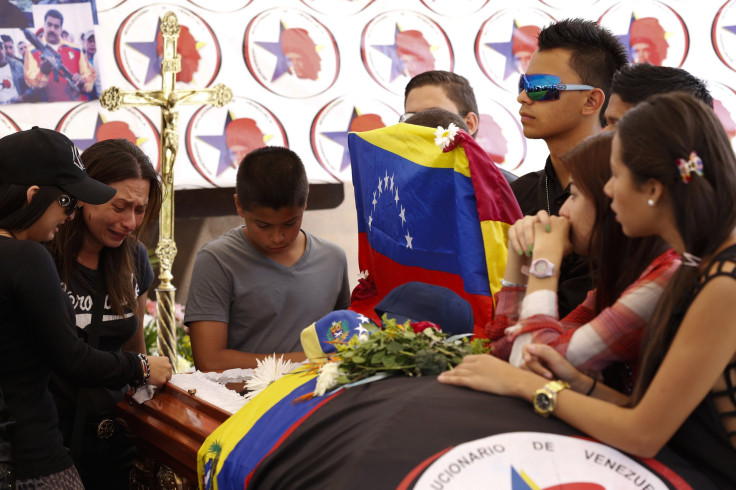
(541, 87)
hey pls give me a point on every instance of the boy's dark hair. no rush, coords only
(271, 177)
(456, 87)
(595, 53)
(6, 38)
(432, 118)
(636, 82)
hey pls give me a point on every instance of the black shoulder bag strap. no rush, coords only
(93, 340)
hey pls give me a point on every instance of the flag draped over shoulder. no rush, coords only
(231, 453)
(428, 215)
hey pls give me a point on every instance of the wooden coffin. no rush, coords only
(171, 427)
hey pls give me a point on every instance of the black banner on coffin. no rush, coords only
(387, 434)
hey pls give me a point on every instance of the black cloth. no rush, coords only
(37, 335)
(103, 461)
(5, 424)
(376, 435)
(115, 332)
(542, 190)
(702, 438)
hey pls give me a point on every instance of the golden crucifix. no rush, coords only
(168, 98)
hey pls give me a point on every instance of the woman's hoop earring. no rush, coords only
(651, 203)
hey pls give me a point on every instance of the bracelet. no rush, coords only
(146, 369)
(509, 284)
(590, 391)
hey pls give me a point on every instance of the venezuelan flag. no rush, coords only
(231, 453)
(428, 215)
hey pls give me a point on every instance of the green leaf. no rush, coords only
(389, 361)
(358, 359)
(394, 347)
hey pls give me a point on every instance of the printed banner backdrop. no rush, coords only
(306, 72)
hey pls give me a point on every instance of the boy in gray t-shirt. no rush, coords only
(256, 287)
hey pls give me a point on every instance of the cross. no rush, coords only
(168, 98)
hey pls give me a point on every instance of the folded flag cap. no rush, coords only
(319, 339)
(419, 302)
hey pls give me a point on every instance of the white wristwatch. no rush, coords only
(541, 268)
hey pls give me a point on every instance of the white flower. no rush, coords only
(431, 333)
(327, 379)
(444, 137)
(268, 371)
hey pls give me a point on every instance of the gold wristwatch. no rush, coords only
(545, 398)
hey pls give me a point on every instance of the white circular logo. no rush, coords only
(399, 45)
(535, 460)
(218, 138)
(652, 32)
(139, 47)
(87, 123)
(290, 53)
(331, 125)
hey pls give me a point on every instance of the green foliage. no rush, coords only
(399, 348)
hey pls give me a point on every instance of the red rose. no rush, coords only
(6, 83)
(420, 326)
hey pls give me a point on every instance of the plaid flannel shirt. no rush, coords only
(588, 341)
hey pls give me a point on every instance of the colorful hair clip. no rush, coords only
(694, 164)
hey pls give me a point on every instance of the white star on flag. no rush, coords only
(380, 190)
(401, 215)
(385, 180)
(392, 183)
(409, 239)
(374, 201)
(396, 199)
(363, 319)
(370, 222)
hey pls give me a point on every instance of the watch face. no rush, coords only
(543, 401)
(540, 267)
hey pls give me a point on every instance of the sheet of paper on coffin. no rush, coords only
(430, 216)
(405, 432)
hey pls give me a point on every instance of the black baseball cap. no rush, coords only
(45, 157)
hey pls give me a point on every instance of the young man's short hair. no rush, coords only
(595, 53)
(636, 82)
(271, 177)
(456, 87)
(432, 118)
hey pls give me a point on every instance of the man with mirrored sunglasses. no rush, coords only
(563, 96)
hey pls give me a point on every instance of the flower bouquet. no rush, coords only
(150, 332)
(411, 348)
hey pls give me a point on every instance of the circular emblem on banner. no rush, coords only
(105, 5)
(400, 44)
(526, 460)
(453, 8)
(139, 47)
(7, 125)
(500, 134)
(220, 6)
(86, 124)
(331, 125)
(724, 34)
(506, 41)
(651, 31)
(724, 105)
(337, 7)
(291, 53)
(218, 138)
(565, 4)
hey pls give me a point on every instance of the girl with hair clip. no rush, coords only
(673, 176)
(629, 274)
(41, 182)
(105, 271)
